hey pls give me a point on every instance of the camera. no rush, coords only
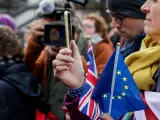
(54, 34)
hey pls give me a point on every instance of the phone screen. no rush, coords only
(54, 34)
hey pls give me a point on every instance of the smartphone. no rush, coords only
(54, 34)
(68, 27)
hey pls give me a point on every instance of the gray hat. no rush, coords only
(45, 7)
(129, 8)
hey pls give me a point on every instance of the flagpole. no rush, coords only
(114, 77)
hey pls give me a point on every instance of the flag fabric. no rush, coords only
(126, 96)
(87, 105)
(152, 101)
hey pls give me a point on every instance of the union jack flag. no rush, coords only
(87, 105)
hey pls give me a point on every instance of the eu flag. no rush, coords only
(126, 96)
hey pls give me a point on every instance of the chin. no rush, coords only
(148, 31)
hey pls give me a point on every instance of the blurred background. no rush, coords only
(23, 11)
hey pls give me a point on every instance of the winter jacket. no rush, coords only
(102, 52)
(40, 63)
(131, 47)
(157, 80)
(18, 92)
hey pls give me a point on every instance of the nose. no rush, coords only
(146, 7)
(114, 23)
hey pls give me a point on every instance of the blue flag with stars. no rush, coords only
(126, 96)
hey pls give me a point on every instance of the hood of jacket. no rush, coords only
(18, 76)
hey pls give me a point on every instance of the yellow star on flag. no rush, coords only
(105, 95)
(123, 94)
(119, 72)
(112, 98)
(126, 87)
(119, 97)
(124, 79)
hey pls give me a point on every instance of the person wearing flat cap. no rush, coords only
(129, 21)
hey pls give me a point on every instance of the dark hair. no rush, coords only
(10, 46)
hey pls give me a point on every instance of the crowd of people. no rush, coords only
(38, 78)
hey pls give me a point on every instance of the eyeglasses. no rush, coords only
(87, 26)
(118, 17)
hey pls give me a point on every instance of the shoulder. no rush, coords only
(4, 86)
(104, 46)
(6, 89)
(9, 95)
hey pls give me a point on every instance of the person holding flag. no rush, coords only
(116, 92)
(143, 64)
(87, 105)
(70, 72)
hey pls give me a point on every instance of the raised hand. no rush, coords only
(37, 28)
(68, 66)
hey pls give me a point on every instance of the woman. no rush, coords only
(138, 63)
(17, 86)
(142, 64)
(96, 26)
(20, 94)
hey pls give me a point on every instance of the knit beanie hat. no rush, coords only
(129, 8)
(7, 20)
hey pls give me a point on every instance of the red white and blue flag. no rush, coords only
(152, 101)
(87, 105)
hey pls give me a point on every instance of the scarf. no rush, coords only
(144, 63)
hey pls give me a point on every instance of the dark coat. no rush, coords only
(131, 47)
(157, 80)
(18, 92)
